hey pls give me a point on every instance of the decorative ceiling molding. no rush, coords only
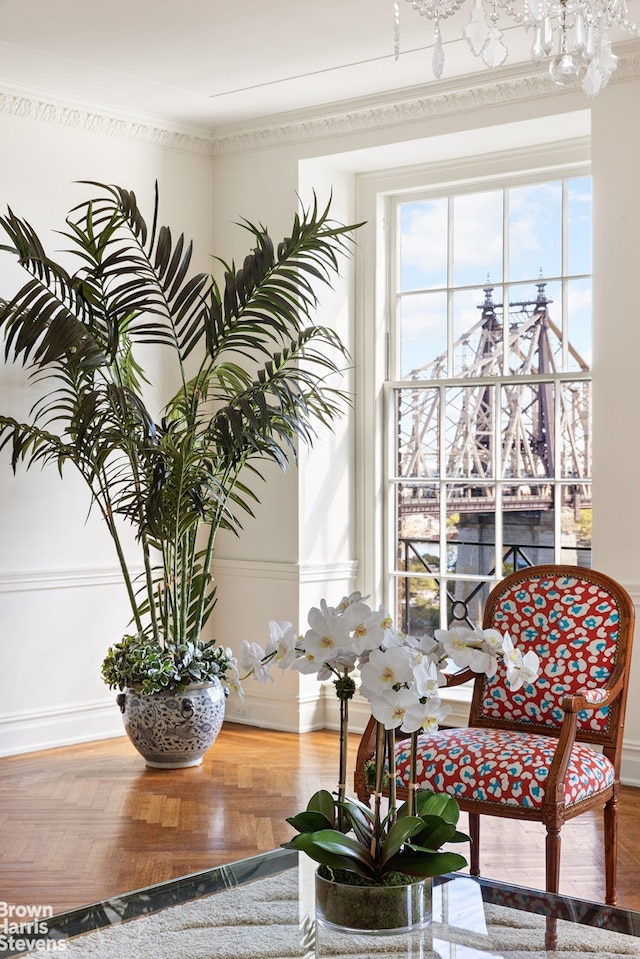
(399, 108)
(36, 106)
(403, 110)
(467, 94)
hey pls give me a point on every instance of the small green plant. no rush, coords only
(148, 667)
(351, 847)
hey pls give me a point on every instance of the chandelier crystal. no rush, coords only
(572, 34)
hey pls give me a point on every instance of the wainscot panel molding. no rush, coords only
(301, 714)
(630, 766)
(287, 572)
(31, 731)
(39, 579)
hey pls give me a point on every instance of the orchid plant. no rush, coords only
(401, 677)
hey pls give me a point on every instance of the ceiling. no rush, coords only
(215, 65)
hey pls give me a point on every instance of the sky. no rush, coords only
(479, 256)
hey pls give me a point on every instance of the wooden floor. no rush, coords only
(86, 822)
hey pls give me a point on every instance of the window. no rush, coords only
(488, 393)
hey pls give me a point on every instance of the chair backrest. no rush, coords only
(580, 623)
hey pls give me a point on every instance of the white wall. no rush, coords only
(305, 542)
(61, 603)
(436, 139)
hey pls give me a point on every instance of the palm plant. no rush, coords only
(252, 379)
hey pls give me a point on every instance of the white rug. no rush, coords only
(260, 920)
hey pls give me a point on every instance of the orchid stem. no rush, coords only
(342, 784)
(413, 785)
(391, 752)
(377, 798)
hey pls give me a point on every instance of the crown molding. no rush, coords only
(405, 107)
(398, 108)
(78, 115)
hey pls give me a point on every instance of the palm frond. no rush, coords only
(265, 381)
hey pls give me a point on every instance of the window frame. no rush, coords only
(377, 192)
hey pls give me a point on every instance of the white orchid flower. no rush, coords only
(365, 627)
(251, 661)
(328, 634)
(464, 648)
(427, 715)
(387, 668)
(347, 601)
(521, 670)
(282, 643)
(427, 678)
(232, 679)
(392, 637)
(390, 707)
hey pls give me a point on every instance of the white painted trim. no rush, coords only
(301, 714)
(286, 572)
(408, 106)
(39, 579)
(630, 767)
(65, 726)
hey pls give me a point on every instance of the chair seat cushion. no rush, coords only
(499, 766)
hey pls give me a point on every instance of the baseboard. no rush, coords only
(630, 767)
(47, 729)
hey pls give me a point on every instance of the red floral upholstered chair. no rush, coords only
(530, 754)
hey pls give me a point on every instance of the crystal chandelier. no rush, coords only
(576, 32)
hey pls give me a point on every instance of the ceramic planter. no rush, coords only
(374, 909)
(174, 730)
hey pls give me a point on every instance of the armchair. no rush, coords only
(551, 752)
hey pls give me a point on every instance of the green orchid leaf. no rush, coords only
(309, 822)
(437, 804)
(402, 830)
(421, 862)
(435, 833)
(332, 848)
(357, 820)
(323, 802)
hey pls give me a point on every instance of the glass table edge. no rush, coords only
(173, 892)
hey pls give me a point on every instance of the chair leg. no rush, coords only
(474, 834)
(553, 858)
(611, 849)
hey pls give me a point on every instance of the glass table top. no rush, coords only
(471, 918)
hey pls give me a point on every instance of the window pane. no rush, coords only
(535, 328)
(528, 533)
(465, 601)
(535, 231)
(576, 526)
(470, 417)
(477, 239)
(579, 324)
(418, 519)
(423, 244)
(527, 428)
(471, 530)
(473, 320)
(423, 335)
(575, 437)
(418, 432)
(418, 602)
(575, 519)
(579, 225)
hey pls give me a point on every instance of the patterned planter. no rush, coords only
(174, 730)
(374, 910)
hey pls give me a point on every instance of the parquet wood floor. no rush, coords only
(82, 823)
